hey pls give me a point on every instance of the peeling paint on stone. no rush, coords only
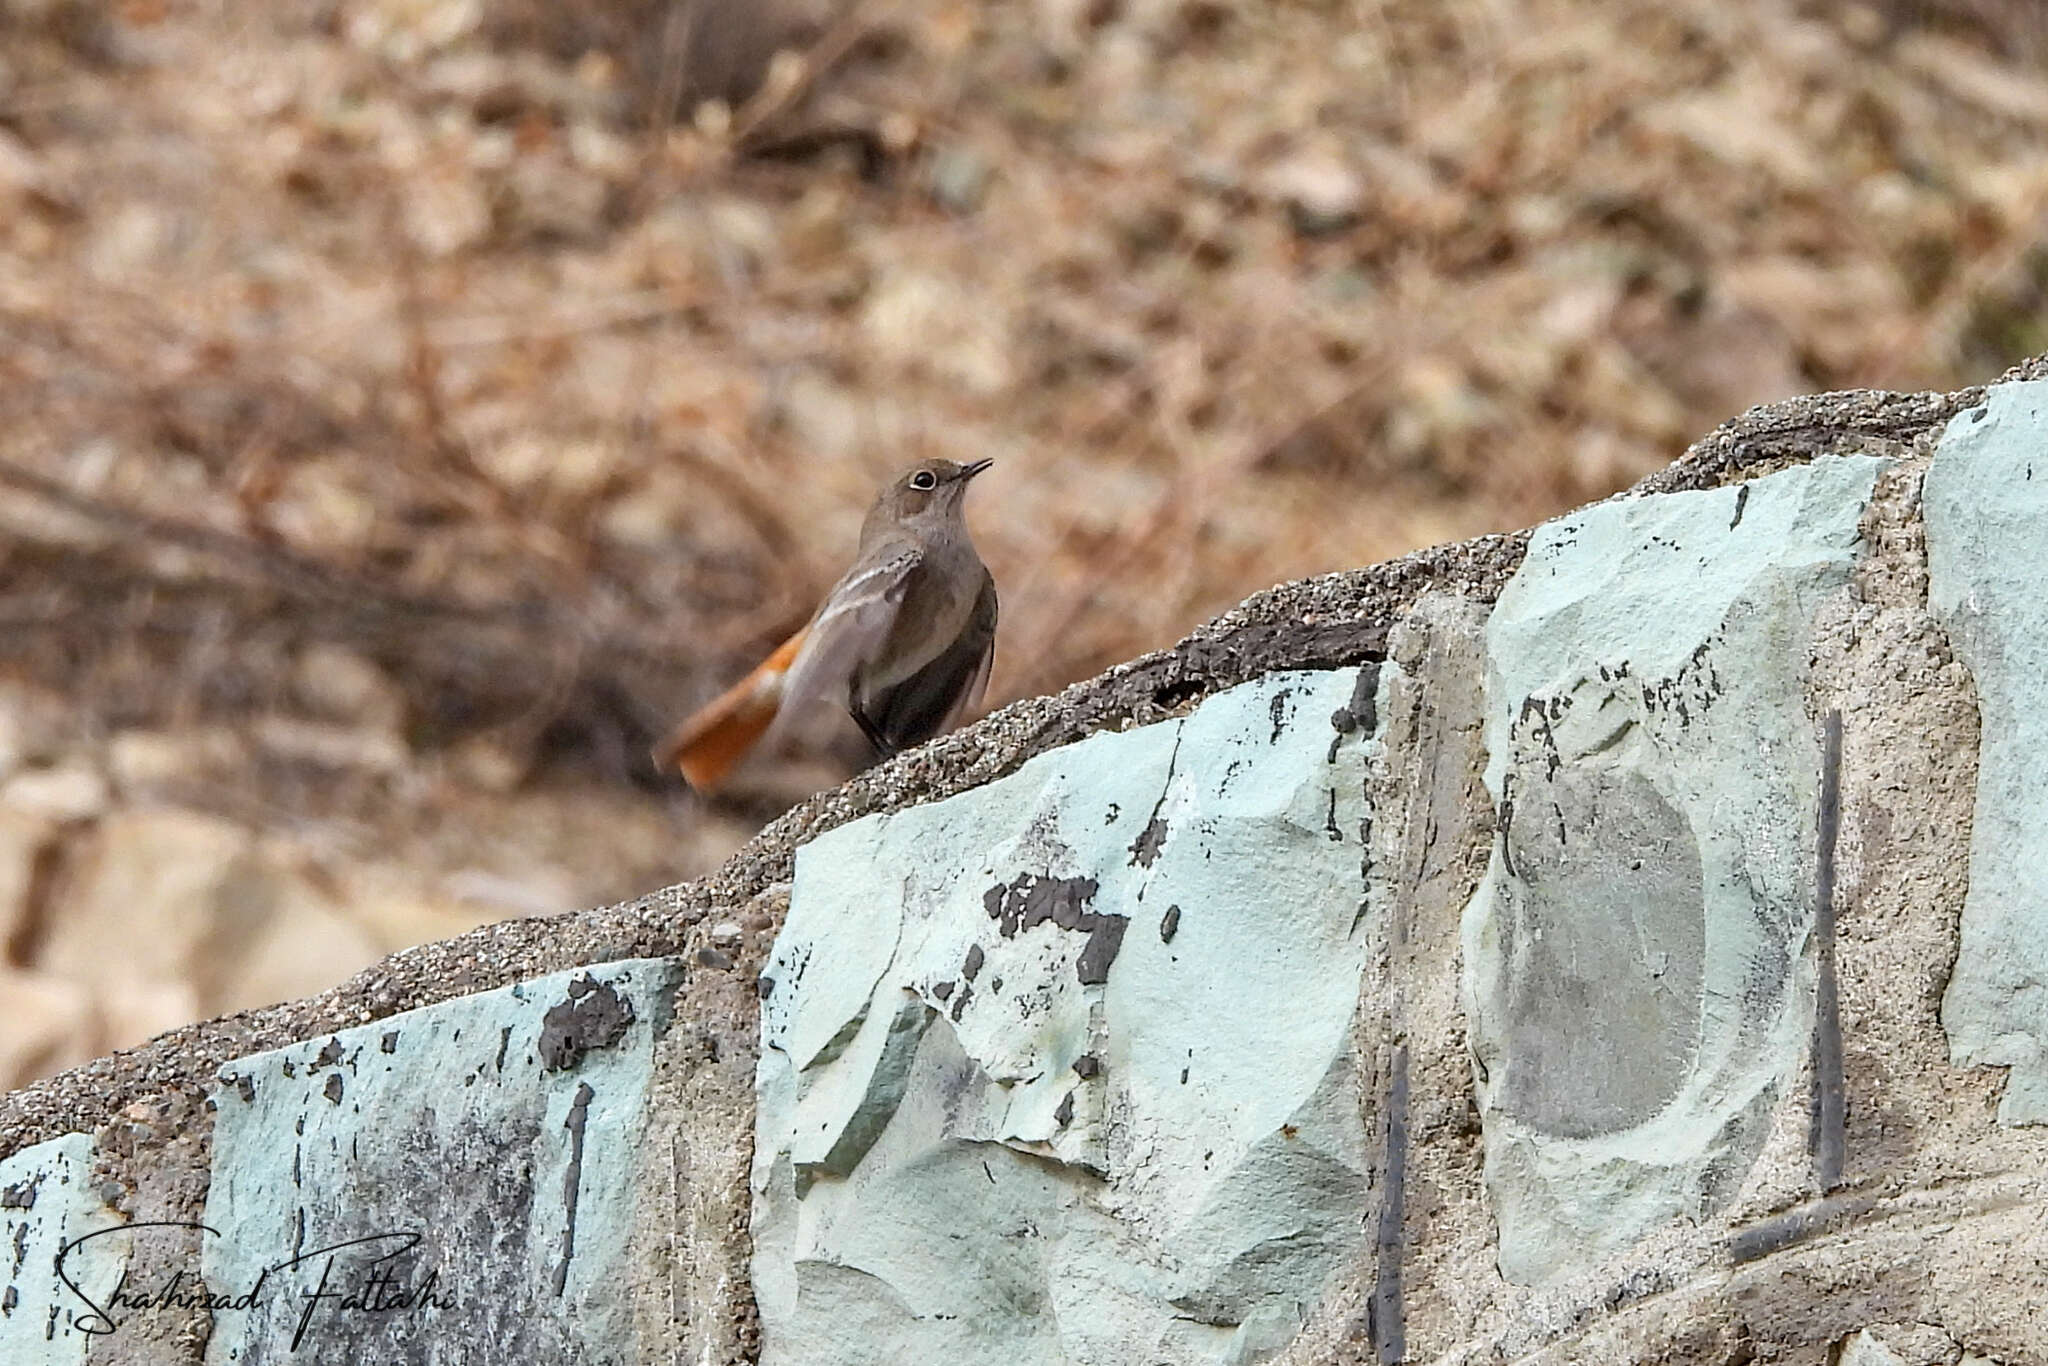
(1146, 1148)
(1634, 968)
(492, 1165)
(594, 1015)
(46, 1203)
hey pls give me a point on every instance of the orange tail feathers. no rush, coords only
(707, 745)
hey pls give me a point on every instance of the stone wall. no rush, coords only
(1609, 944)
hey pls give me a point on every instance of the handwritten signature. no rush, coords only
(377, 1290)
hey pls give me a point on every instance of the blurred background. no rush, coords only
(409, 408)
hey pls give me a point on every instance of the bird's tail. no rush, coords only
(708, 745)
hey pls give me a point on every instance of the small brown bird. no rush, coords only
(903, 641)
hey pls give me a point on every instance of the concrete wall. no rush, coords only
(1498, 955)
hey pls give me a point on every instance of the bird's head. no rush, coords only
(928, 488)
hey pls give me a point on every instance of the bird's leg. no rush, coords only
(883, 749)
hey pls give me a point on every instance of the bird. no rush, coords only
(904, 640)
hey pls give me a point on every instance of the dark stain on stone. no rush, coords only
(389, 1043)
(1507, 843)
(1827, 1134)
(1065, 1114)
(944, 991)
(594, 1016)
(1542, 732)
(1741, 502)
(1979, 414)
(504, 1042)
(21, 1195)
(572, 1179)
(1330, 820)
(713, 959)
(1387, 1312)
(1105, 937)
(766, 986)
(8, 1299)
(330, 1055)
(1169, 924)
(1145, 848)
(1781, 1231)
(972, 967)
(290, 1069)
(995, 984)
(1694, 686)
(1633, 861)
(1183, 1076)
(1029, 899)
(1109, 816)
(1087, 1066)
(1152, 838)
(960, 1003)
(1276, 712)
(245, 1087)
(332, 1090)
(1361, 713)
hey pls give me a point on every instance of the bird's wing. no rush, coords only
(940, 695)
(981, 630)
(854, 621)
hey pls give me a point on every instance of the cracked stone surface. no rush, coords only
(1633, 957)
(1986, 509)
(488, 1143)
(1061, 1069)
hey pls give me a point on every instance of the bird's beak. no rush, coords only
(976, 468)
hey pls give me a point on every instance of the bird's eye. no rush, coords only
(924, 479)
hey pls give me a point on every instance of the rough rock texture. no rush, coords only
(537, 1093)
(1086, 1094)
(1985, 511)
(1637, 994)
(1748, 1123)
